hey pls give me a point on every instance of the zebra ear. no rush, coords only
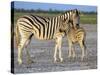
(79, 12)
(76, 11)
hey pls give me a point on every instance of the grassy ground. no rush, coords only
(84, 18)
(88, 19)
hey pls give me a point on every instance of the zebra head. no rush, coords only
(73, 17)
(64, 26)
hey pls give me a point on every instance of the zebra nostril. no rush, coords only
(77, 24)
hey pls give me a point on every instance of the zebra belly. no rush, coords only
(36, 35)
(39, 38)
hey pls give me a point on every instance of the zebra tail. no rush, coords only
(17, 35)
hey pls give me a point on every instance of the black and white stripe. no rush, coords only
(43, 28)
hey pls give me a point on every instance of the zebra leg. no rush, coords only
(59, 47)
(20, 48)
(56, 48)
(55, 53)
(28, 58)
(70, 49)
(73, 52)
(83, 50)
(27, 51)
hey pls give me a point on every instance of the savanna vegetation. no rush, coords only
(85, 17)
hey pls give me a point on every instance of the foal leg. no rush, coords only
(70, 49)
(73, 52)
(83, 50)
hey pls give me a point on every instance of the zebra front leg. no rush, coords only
(59, 47)
(56, 47)
(60, 54)
(55, 54)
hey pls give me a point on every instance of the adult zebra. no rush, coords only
(44, 29)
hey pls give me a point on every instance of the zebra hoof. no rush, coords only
(55, 60)
(61, 60)
(19, 61)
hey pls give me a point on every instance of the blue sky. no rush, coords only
(47, 6)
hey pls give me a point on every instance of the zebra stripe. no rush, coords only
(77, 36)
(44, 28)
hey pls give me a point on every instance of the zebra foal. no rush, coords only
(76, 36)
(43, 28)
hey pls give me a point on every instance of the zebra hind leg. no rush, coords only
(23, 43)
(20, 48)
(83, 50)
(29, 61)
(70, 49)
(73, 52)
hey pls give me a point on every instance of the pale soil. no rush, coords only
(42, 54)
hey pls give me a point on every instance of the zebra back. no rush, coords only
(45, 28)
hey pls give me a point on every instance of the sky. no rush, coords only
(47, 6)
